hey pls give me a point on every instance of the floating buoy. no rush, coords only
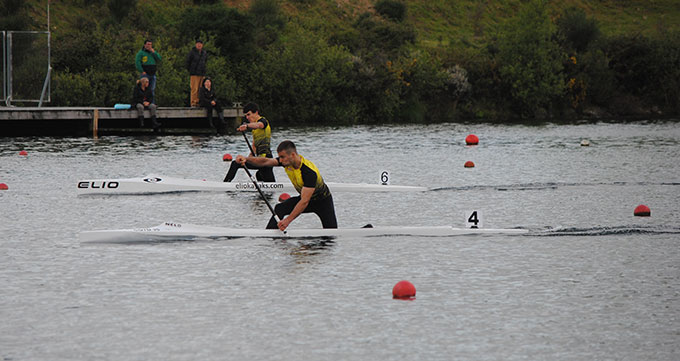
(471, 140)
(642, 211)
(3, 187)
(469, 164)
(404, 290)
(585, 143)
(23, 152)
(283, 197)
(227, 157)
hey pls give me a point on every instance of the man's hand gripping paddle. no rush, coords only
(245, 167)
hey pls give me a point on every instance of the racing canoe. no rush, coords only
(161, 184)
(172, 231)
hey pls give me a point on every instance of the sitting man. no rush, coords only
(141, 99)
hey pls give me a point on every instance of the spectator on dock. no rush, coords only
(147, 61)
(141, 99)
(208, 100)
(195, 63)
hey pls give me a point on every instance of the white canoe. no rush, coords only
(172, 231)
(161, 184)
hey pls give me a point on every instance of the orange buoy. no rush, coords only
(283, 197)
(227, 157)
(642, 211)
(23, 152)
(469, 164)
(3, 187)
(404, 290)
(471, 140)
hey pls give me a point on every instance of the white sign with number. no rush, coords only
(473, 219)
(385, 178)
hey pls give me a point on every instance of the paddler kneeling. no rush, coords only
(314, 193)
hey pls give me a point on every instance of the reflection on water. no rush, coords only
(304, 251)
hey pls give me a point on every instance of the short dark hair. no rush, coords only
(147, 41)
(251, 107)
(287, 146)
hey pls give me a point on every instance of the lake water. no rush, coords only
(589, 282)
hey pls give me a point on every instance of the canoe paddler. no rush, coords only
(262, 136)
(314, 193)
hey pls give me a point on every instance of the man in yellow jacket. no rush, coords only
(315, 197)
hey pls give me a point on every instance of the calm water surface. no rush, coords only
(589, 282)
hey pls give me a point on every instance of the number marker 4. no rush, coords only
(473, 219)
(385, 178)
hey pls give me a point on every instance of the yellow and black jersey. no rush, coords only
(308, 176)
(262, 138)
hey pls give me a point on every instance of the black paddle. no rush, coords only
(245, 167)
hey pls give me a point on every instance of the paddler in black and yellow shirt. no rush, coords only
(262, 137)
(314, 193)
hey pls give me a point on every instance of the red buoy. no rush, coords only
(283, 197)
(3, 187)
(642, 211)
(469, 164)
(23, 152)
(404, 290)
(471, 140)
(227, 157)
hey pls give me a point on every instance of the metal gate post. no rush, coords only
(4, 66)
(8, 101)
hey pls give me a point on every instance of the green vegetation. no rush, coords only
(364, 61)
(532, 61)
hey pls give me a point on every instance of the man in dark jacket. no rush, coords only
(195, 63)
(141, 99)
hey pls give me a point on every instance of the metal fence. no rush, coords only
(4, 66)
(26, 69)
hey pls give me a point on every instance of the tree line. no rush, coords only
(535, 66)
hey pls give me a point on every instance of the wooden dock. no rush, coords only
(98, 121)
